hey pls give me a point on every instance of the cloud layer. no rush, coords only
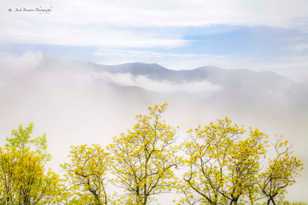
(76, 22)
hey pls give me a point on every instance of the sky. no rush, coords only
(180, 34)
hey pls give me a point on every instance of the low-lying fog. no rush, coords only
(73, 103)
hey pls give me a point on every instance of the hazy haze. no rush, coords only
(84, 103)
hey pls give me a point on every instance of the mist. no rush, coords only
(74, 104)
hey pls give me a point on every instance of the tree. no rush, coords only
(24, 179)
(143, 159)
(86, 173)
(280, 173)
(243, 167)
(221, 163)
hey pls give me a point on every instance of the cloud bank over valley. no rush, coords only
(76, 102)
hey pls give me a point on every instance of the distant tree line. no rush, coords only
(219, 163)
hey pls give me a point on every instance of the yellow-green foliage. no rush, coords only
(24, 178)
(85, 174)
(220, 163)
(143, 159)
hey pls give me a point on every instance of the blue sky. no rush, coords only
(259, 35)
(245, 41)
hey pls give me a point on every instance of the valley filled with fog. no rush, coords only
(74, 102)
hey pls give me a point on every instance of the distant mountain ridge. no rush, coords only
(157, 72)
(231, 78)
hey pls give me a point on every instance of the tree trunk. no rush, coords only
(271, 201)
(145, 200)
(233, 202)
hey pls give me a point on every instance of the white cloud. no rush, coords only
(106, 23)
(97, 36)
(204, 87)
(26, 61)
